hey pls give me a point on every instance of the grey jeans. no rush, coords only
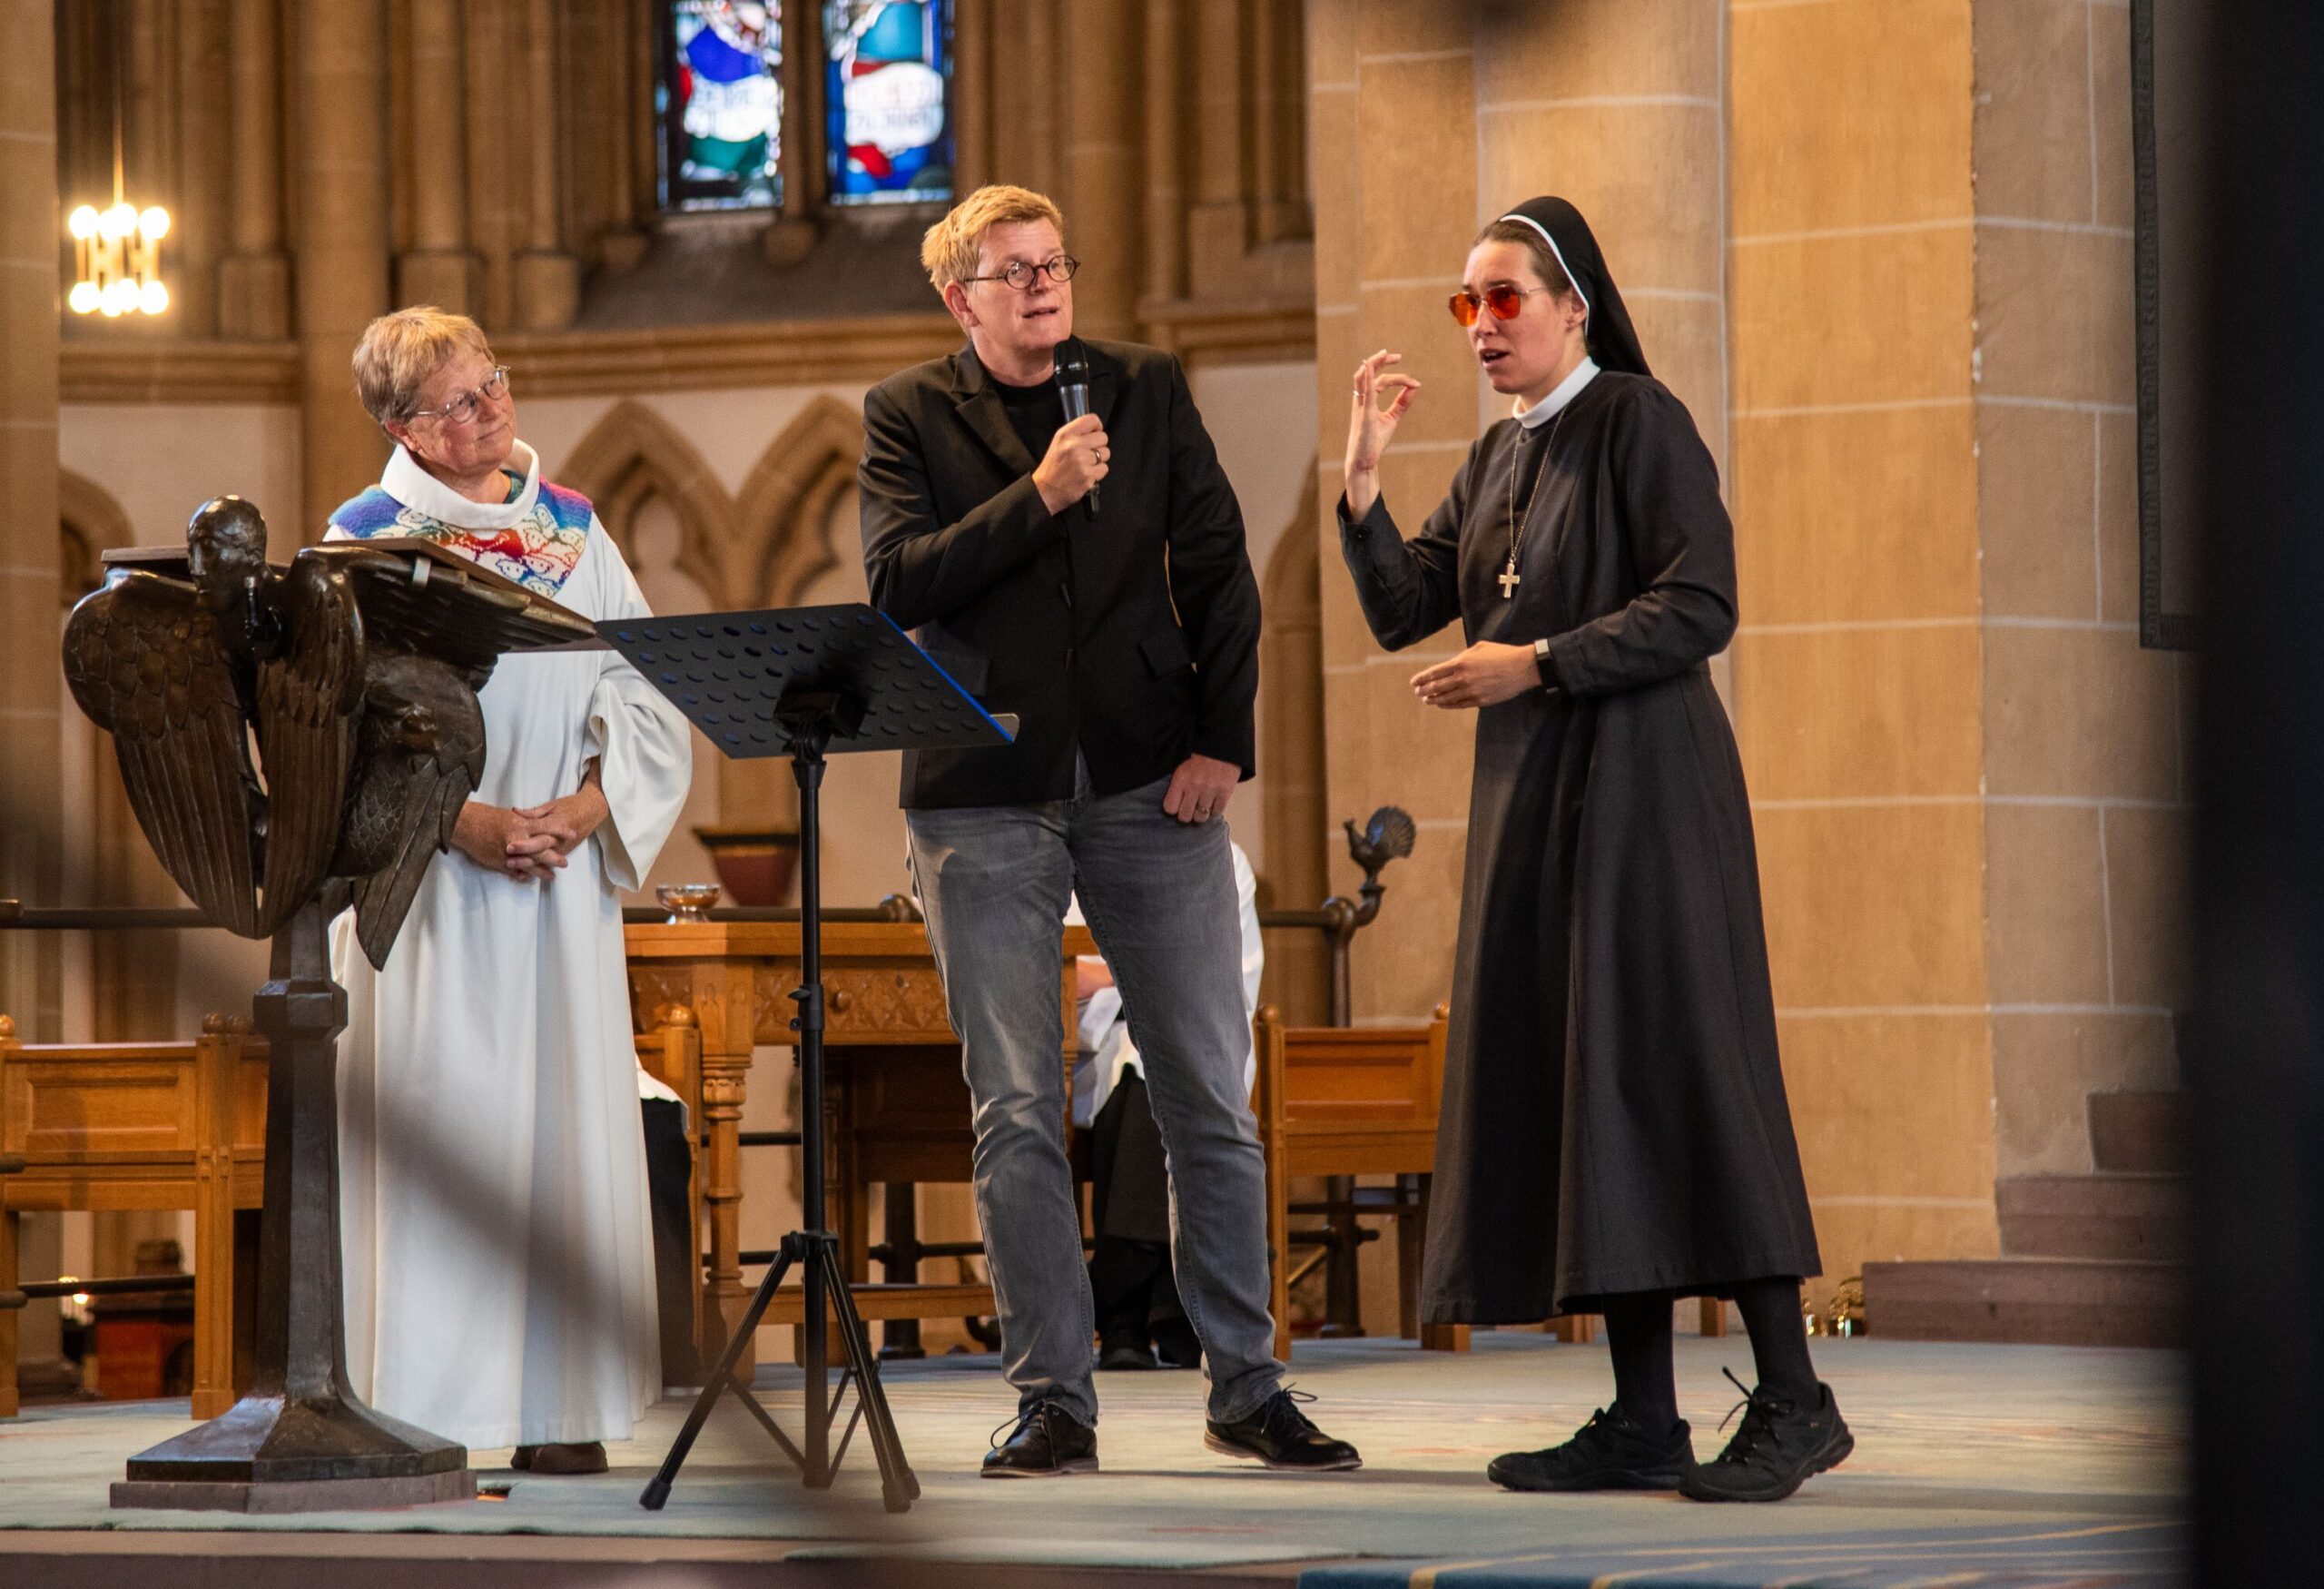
(1159, 897)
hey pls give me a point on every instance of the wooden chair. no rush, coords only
(1351, 1101)
(118, 1126)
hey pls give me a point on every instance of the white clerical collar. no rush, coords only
(415, 487)
(1566, 390)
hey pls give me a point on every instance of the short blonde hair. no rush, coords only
(399, 351)
(949, 251)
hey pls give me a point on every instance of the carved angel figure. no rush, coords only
(354, 669)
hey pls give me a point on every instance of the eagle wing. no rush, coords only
(148, 664)
(438, 603)
(440, 748)
(308, 692)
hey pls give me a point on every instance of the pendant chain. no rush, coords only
(1510, 578)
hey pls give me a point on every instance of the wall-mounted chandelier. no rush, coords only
(117, 252)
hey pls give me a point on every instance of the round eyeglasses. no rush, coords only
(460, 409)
(1021, 273)
(1504, 301)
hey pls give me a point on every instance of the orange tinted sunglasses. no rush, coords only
(1504, 303)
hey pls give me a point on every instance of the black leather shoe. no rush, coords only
(1279, 1435)
(1607, 1453)
(1049, 1442)
(1778, 1449)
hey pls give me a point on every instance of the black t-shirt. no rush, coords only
(1037, 412)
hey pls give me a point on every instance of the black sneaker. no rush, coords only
(1175, 1345)
(1124, 1354)
(1607, 1453)
(1779, 1446)
(1048, 1443)
(1279, 1435)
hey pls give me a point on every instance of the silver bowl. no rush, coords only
(687, 902)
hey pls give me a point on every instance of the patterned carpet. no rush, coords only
(1974, 1465)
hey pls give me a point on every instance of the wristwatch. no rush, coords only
(1546, 667)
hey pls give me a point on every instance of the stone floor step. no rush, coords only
(2107, 1216)
(2138, 1133)
(2054, 1301)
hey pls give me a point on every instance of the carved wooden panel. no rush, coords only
(864, 1003)
(79, 1109)
(657, 988)
(897, 1003)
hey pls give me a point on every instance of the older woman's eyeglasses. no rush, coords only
(463, 408)
(1020, 274)
(1504, 301)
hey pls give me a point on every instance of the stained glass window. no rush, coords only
(889, 98)
(721, 103)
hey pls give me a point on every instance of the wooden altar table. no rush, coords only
(897, 1109)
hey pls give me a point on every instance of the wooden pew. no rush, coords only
(1362, 1101)
(117, 1126)
(106, 1127)
(1351, 1101)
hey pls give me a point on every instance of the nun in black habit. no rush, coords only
(1615, 1133)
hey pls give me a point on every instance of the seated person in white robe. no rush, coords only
(1140, 1321)
(494, 1225)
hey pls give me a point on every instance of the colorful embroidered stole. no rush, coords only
(539, 551)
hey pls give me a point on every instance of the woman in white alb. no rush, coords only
(498, 1254)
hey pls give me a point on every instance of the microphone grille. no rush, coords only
(1072, 363)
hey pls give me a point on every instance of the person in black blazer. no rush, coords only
(1121, 627)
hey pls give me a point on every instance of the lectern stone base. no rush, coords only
(326, 1494)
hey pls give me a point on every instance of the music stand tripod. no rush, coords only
(802, 682)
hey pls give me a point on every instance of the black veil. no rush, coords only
(1613, 342)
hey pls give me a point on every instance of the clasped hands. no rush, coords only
(531, 843)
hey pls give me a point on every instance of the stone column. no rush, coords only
(548, 279)
(342, 243)
(1394, 97)
(2086, 780)
(200, 195)
(1026, 97)
(791, 235)
(1164, 180)
(1218, 222)
(972, 106)
(1101, 159)
(255, 278)
(31, 686)
(629, 99)
(1616, 105)
(439, 268)
(1857, 672)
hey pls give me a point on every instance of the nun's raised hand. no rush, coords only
(1369, 425)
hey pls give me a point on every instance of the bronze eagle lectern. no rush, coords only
(354, 670)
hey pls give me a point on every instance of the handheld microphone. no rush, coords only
(1073, 388)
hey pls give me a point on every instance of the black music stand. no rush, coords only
(801, 682)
